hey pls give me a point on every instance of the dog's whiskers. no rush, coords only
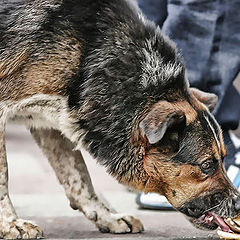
(216, 206)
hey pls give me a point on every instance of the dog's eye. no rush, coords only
(208, 166)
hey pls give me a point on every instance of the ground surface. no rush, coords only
(37, 195)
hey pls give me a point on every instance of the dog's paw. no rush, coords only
(118, 223)
(20, 229)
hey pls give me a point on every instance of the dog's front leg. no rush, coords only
(72, 173)
(11, 227)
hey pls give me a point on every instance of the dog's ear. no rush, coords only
(209, 99)
(159, 119)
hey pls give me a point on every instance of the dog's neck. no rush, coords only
(116, 83)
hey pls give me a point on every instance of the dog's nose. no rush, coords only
(236, 204)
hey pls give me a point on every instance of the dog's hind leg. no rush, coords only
(11, 227)
(72, 173)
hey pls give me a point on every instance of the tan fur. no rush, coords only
(198, 104)
(158, 110)
(217, 153)
(143, 180)
(137, 182)
(188, 110)
(181, 105)
(47, 74)
(180, 183)
(223, 148)
(11, 65)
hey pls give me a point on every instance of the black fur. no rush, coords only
(191, 139)
(109, 80)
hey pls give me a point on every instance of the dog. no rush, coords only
(97, 74)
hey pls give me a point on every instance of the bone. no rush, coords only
(228, 235)
(233, 225)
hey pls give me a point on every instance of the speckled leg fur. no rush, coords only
(72, 173)
(11, 227)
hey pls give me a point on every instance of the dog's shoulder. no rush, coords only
(39, 51)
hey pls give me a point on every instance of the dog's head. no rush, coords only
(183, 151)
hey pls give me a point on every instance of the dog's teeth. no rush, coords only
(211, 219)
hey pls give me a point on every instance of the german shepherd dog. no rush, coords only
(97, 74)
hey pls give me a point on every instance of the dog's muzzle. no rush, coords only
(213, 211)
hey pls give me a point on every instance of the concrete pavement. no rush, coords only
(37, 195)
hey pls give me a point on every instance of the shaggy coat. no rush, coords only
(97, 74)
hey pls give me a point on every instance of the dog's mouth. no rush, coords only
(212, 221)
(228, 228)
(209, 212)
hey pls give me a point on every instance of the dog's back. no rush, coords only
(42, 43)
(39, 49)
